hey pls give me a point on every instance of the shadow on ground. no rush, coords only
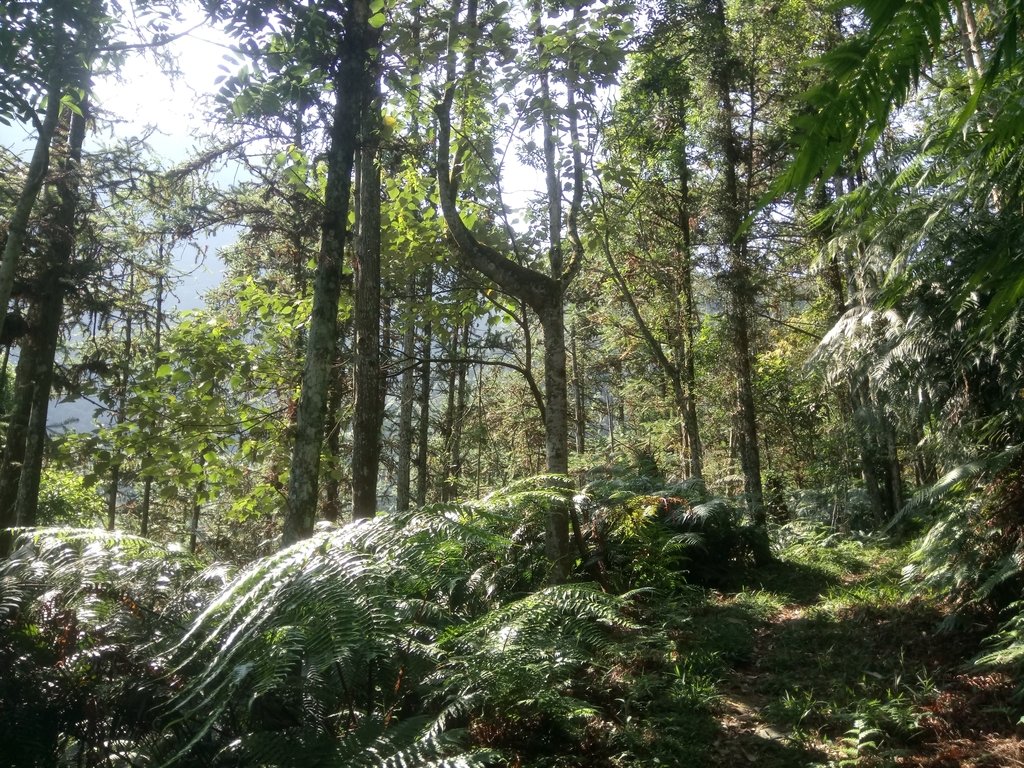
(795, 583)
(814, 665)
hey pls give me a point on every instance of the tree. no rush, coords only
(650, 188)
(542, 291)
(349, 70)
(368, 406)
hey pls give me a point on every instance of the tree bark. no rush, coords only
(969, 35)
(51, 299)
(351, 81)
(17, 227)
(14, 446)
(556, 427)
(543, 293)
(403, 475)
(335, 396)
(455, 419)
(367, 411)
(158, 323)
(738, 280)
(579, 396)
(423, 398)
(115, 470)
(689, 320)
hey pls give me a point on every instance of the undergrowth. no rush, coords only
(421, 638)
(431, 638)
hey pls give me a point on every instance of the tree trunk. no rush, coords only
(457, 417)
(556, 426)
(447, 426)
(738, 279)
(158, 323)
(969, 36)
(893, 469)
(579, 395)
(17, 227)
(405, 427)
(14, 446)
(197, 508)
(335, 396)
(423, 437)
(367, 410)
(863, 424)
(543, 293)
(115, 470)
(51, 300)
(689, 321)
(351, 82)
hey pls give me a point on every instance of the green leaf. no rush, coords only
(377, 20)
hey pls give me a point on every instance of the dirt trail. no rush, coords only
(745, 733)
(857, 674)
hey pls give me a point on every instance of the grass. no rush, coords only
(824, 659)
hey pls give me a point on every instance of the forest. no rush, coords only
(587, 383)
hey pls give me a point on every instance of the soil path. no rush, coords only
(853, 672)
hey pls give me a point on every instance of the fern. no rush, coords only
(417, 639)
(78, 611)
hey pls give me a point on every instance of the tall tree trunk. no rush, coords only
(51, 300)
(17, 227)
(351, 84)
(17, 428)
(738, 276)
(864, 424)
(689, 320)
(893, 468)
(480, 428)
(971, 43)
(456, 417)
(405, 427)
(367, 411)
(158, 325)
(447, 426)
(579, 396)
(423, 398)
(543, 293)
(335, 397)
(556, 427)
(738, 279)
(122, 398)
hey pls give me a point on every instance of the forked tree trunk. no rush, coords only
(543, 293)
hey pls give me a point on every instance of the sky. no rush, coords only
(144, 97)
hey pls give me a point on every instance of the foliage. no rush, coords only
(79, 610)
(65, 499)
(664, 536)
(415, 638)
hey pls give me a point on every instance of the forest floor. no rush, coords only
(825, 659)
